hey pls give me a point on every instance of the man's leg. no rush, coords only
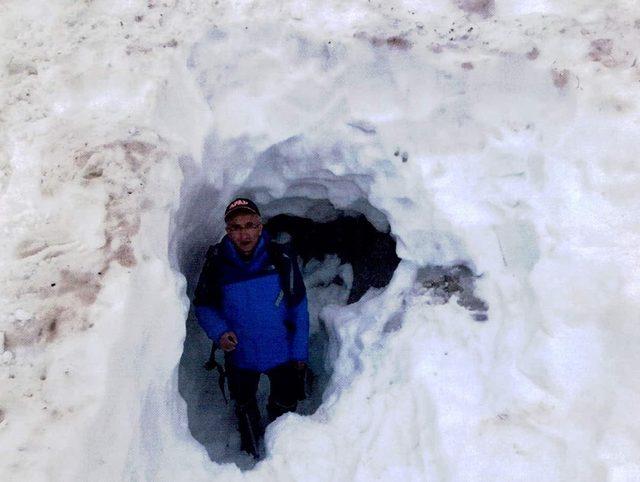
(283, 392)
(243, 385)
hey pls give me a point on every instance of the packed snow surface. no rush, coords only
(497, 135)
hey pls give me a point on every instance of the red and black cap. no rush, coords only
(241, 204)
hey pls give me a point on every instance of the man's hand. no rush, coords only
(228, 341)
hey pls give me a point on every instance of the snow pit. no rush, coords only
(497, 140)
(347, 253)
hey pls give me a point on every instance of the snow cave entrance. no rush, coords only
(342, 254)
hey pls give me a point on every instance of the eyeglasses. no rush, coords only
(236, 228)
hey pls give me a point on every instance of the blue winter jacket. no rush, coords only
(247, 297)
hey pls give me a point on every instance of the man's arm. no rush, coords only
(211, 322)
(207, 299)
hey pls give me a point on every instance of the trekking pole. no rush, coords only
(211, 364)
(255, 451)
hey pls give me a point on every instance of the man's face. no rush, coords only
(244, 229)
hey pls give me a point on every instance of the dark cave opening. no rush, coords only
(371, 253)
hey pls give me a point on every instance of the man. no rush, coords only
(252, 302)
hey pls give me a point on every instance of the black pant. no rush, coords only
(243, 385)
(283, 395)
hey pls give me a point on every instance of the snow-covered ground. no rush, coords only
(496, 134)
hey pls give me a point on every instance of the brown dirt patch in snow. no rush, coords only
(602, 51)
(560, 77)
(484, 8)
(396, 42)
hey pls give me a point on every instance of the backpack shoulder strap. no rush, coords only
(286, 264)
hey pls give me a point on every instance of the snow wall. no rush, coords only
(493, 134)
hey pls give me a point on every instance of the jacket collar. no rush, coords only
(258, 258)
